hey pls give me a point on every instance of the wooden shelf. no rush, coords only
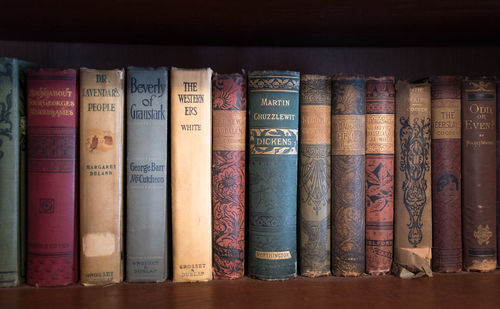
(260, 22)
(463, 290)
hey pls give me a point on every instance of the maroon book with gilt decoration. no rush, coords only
(380, 96)
(52, 190)
(228, 175)
(446, 174)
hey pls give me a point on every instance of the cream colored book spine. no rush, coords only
(101, 176)
(191, 129)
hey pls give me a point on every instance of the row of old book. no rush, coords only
(327, 158)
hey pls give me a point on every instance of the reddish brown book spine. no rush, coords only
(52, 189)
(228, 175)
(446, 174)
(380, 96)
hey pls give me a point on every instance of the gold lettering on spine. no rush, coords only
(380, 133)
(282, 255)
(229, 130)
(348, 134)
(315, 124)
(446, 119)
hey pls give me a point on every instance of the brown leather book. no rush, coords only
(348, 175)
(315, 174)
(446, 174)
(191, 154)
(101, 176)
(380, 96)
(498, 172)
(479, 174)
(413, 208)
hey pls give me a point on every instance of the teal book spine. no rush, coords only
(11, 219)
(273, 162)
(147, 97)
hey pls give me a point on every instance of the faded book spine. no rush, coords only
(413, 208)
(191, 127)
(348, 175)
(379, 200)
(479, 176)
(52, 183)
(315, 175)
(229, 103)
(101, 176)
(446, 174)
(273, 98)
(147, 97)
(10, 231)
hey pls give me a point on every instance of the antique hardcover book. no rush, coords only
(413, 207)
(273, 98)
(52, 111)
(315, 175)
(101, 176)
(479, 174)
(191, 128)
(380, 96)
(348, 175)
(229, 102)
(146, 225)
(12, 171)
(446, 176)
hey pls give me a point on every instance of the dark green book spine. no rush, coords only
(273, 129)
(348, 175)
(10, 232)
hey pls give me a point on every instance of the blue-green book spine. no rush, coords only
(273, 160)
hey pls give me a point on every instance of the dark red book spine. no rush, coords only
(228, 175)
(446, 174)
(52, 177)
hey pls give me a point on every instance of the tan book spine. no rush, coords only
(413, 207)
(191, 129)
(101, 176)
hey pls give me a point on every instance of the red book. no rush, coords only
(52, 175)
(228, 175)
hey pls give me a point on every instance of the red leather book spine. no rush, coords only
(446, 175)
(380, 96)
(52, 187)
(228, 175)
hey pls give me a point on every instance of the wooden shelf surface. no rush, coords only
(463, 290)
(258, 22)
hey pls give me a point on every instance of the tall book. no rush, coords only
(446, 174)
(479, 174)
(348, 175)
(315, 174)
(229, 102)
(191, 128)
(146, 220)
(101, 176)
(273, 98)
(413, 208)
(498, 171)
(380, 96)
(52, 177)
(12, 171)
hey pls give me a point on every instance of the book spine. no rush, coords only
(101, 176)
(52, 197)
(498, 170)
(10, 105)
(315, 174)
(228, 175)
(191, 127)
(446, 174)
(146, 220)
(348, 175)
(379, 200)
(479, 178)
(413, 208)
(273, 98)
